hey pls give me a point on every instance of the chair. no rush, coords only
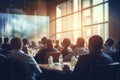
(105, 72)
(55, 56)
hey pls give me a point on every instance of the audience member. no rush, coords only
(57, 45)
(78, 50)
(66, 49)
(25, 46)
(40, 56)
(5, 46)
(18, 55)
(108, 46)
(43, 43)
(116, 55)
(85, 62)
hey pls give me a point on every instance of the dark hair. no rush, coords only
(49, 43)
(44, 40)
(16, 43)
(96, 42)
(66, 42)
(6, 39)
(25, 41)
(110, 41)
(80, 42)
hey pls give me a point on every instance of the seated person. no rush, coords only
(116, 55)
(85, 62)
(40, 56)
(66, 47)
(5, 46)
(108, 46)
(18, 55)
(78, 50)
(25, 47)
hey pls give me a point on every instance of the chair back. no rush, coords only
(105, 72)
(55, 56)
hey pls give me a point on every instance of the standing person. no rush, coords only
(17, 54)
(85, 62)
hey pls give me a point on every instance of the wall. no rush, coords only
(114, 19)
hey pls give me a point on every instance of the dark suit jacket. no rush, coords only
(40, 56)
(85, 62)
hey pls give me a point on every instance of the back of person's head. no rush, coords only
(6, 39)
(44, 40)
(80, 42)
(16, 44)
(66, 42)
(25, 41)
(109, 42)
(96, 42)
(0, 40)
(49, 43)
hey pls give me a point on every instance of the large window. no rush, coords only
(82, 18)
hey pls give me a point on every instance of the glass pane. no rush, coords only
(79, 3)
(75, 5)
(101, 30)
(69, 22)
(86, 33)
(79, 20)
(58, 24)
(75, 36)
(98, 30)
(106, 12)
(75, 24)
(69, 7)
(61, 10)
(63, 25)
(61, 36)
(97, 2)
(86, 17)
(86, 3)
(98, 14)
(106, 29)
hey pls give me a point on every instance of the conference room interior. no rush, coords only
(57, 20)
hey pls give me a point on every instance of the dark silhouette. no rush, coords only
(40, 56)
(5, 46)
(85, 62)
(108, 46)
(116, 55)
(25, 60)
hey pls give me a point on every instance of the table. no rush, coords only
(56, 66)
